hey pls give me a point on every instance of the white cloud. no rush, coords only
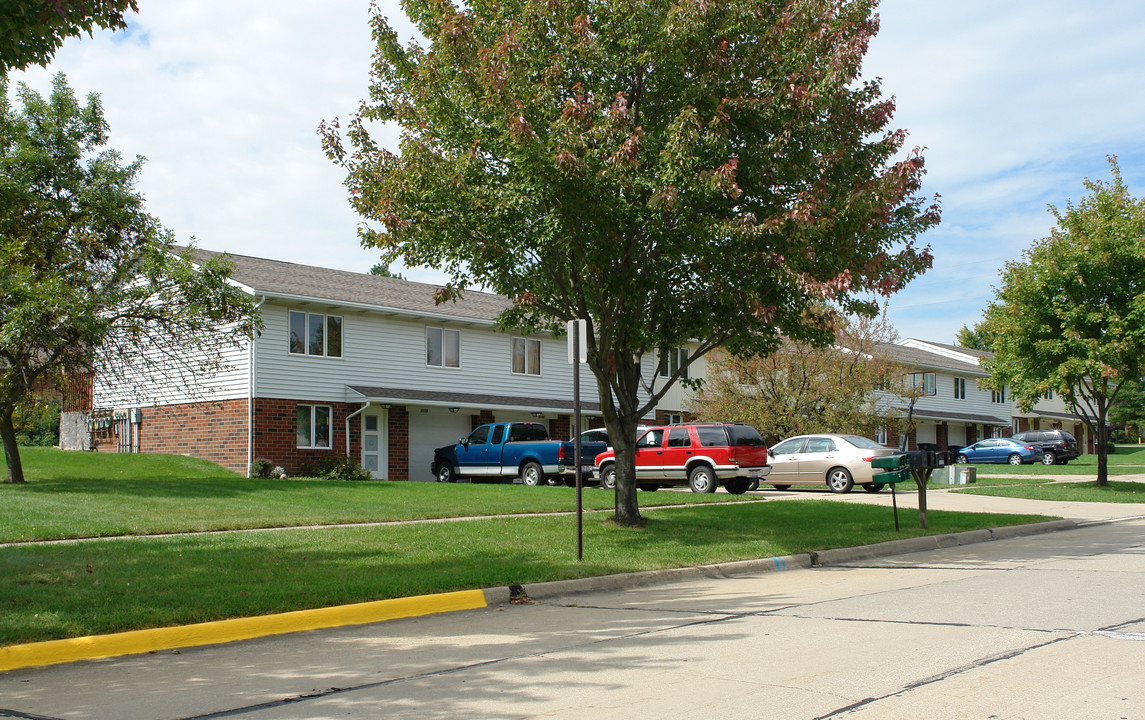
(1015, 102)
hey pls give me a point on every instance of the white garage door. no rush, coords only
(431, 428)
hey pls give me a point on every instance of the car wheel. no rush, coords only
(445, 473)
(1015, 459)
(532, 474)
(702, 479)
(874, 487)
(1048, 458)
(839, 480)
(738, 486)
(961, 459)
(781, 487)
(608, 477)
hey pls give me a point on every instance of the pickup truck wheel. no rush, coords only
(445, 473)
(608, 477)
(839, 480)
(702, 479)
(532, 474)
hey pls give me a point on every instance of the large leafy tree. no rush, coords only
(978, 338)
(32, 30)
(850, 386)
(1070, 316)
(671, 171)
(90, 281)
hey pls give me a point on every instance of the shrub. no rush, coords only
(37, 422)
(261, 468)
(336, 467)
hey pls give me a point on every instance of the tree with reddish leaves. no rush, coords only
(674, 173)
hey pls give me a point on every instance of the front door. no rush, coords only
(375, 455)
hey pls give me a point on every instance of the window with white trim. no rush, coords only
(924, 381)
(671, 360)
(526, 356)
(313, 428)
(998, 396)
(959, 388)
(675, 418)
(315, 334)
(881, 435)
(442, 347)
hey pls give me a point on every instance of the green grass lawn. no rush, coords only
(94, 586)
(1029, 481)
(76, 494)
(1128, 460)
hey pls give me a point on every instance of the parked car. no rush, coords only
(840, 461)
(701, 455)
(500, 451)
(1057, 446)
(998, 450)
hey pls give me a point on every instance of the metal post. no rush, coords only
(895, 503)
(577, 448)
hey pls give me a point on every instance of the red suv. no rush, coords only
(703, 455)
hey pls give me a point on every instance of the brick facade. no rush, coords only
(215, 431)
(398, 443)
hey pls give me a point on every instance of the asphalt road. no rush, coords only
(1047, 626)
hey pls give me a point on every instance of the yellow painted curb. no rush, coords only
(53, 652)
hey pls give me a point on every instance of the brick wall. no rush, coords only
(215, 431)
(399, 443)
(560, 427)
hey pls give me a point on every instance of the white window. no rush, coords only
(526, 356)
(313, 426)
(924, 382)
(1048, 395)
(998, 396)
(442, 347)
(671, 360)
(315, 334)
(959, 388)
(881, 435)
(675, 418)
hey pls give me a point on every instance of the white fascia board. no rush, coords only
(383, 309)
(944, 352)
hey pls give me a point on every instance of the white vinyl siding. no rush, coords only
(172, 385)
(387, 351)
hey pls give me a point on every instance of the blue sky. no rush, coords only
(1015, 103)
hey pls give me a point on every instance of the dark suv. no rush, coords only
(1056, 446)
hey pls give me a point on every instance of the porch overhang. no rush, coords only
(477, 401)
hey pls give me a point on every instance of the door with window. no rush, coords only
(375, 453)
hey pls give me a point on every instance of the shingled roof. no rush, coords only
(915, 357)
(285, 280)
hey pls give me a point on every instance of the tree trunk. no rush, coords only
(11, 450)
(621, 419)
(1102, 439)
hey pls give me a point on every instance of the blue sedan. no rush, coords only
(998, 450)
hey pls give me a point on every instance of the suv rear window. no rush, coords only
(744, 436)
(711, 435)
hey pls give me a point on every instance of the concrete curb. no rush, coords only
(837, 556)
(135, 642)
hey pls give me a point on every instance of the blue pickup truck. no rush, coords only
(503, 451)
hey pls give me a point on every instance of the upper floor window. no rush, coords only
(313, 429)
(959, 388)
(1048, 395)
(442, 347)
(671, 360)
(924, 382)
(998, 396)
(315, 334)
(526, 356)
